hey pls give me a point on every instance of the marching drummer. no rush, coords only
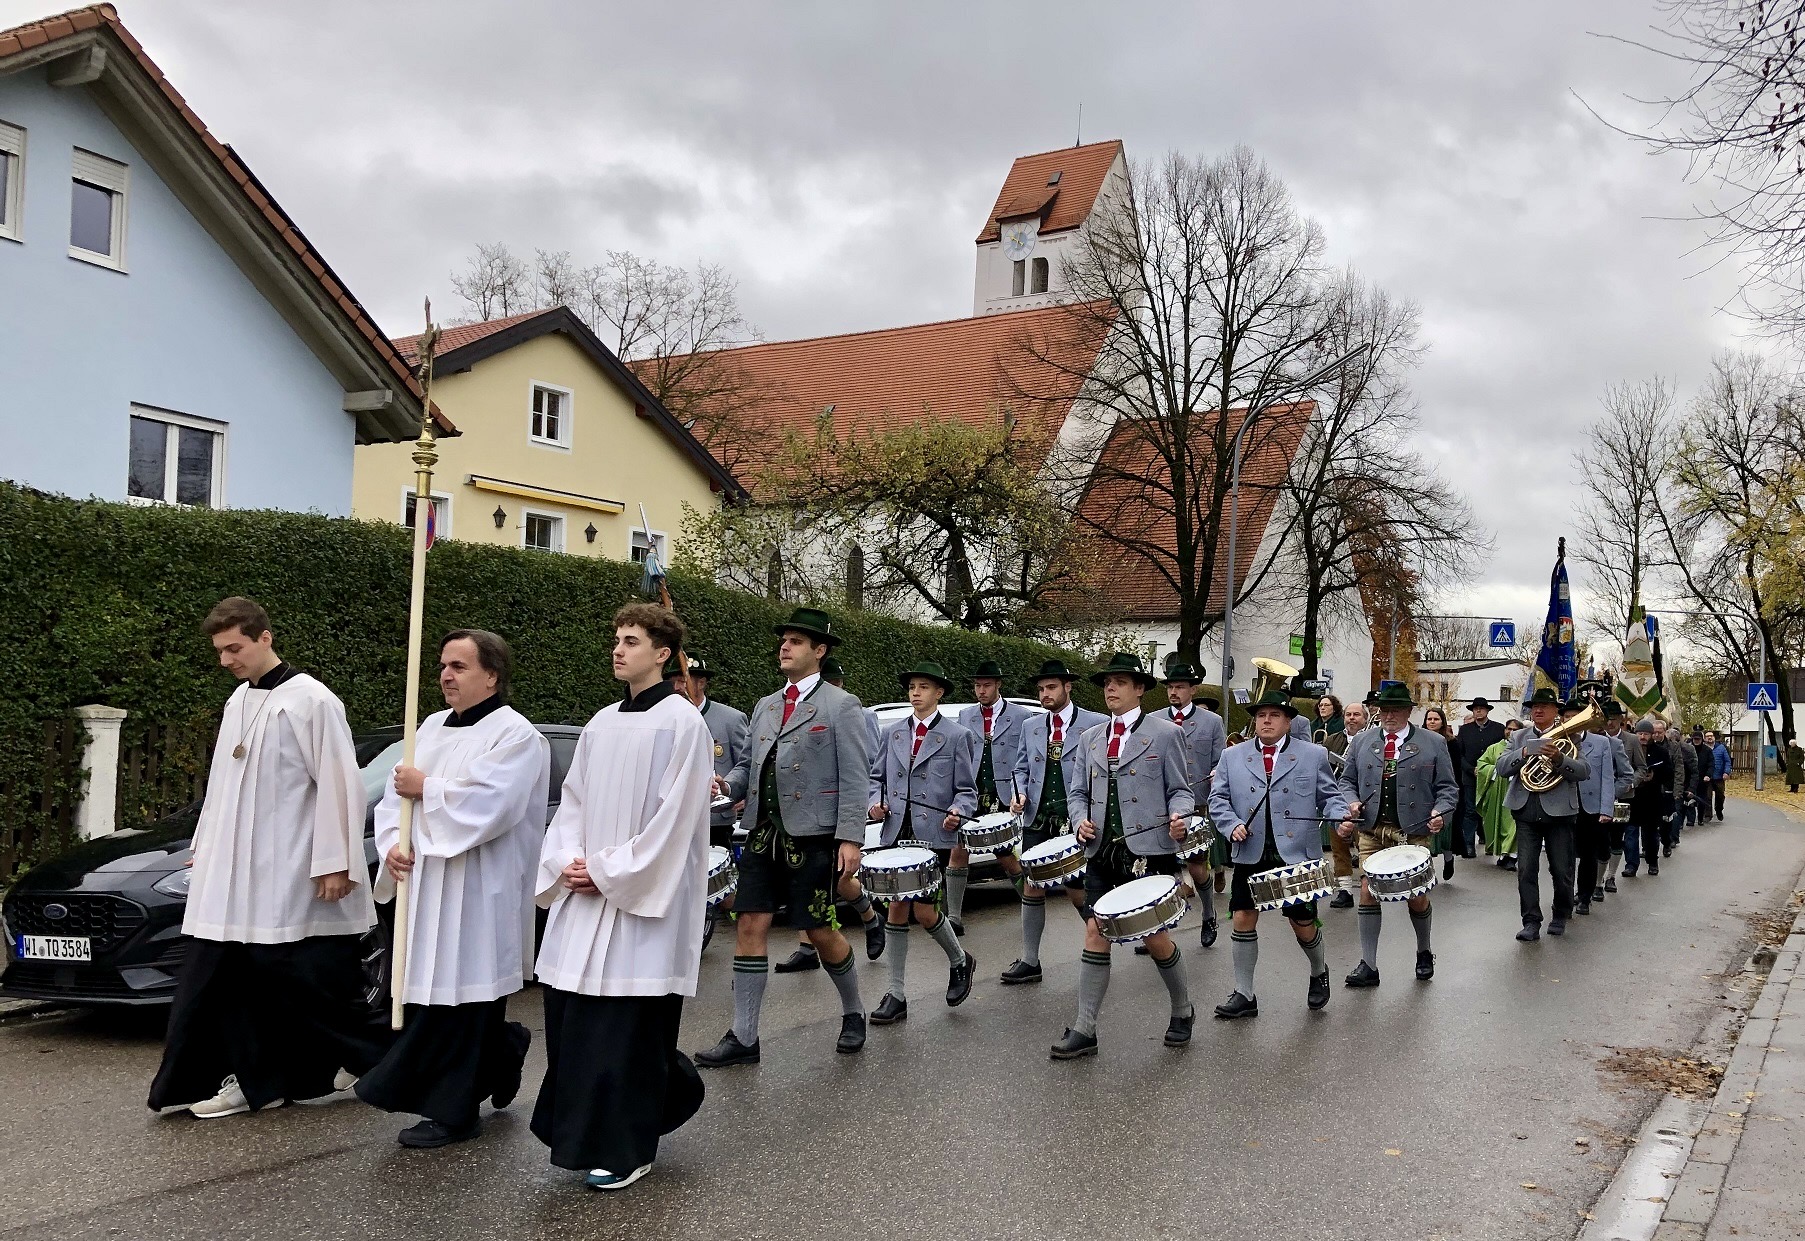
(1273, 795)
(1046, 765)
(1400, 784)
(1205, 739)
(998, 725)
(1130, 804)
(923, 785)
(727, 729)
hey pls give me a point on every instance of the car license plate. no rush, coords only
(56, 948)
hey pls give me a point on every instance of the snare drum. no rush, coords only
(1399, 873)
(1139, 908)
(1292, 885)
(723, 875)
(903, 873)
(1051, 862)
(1620, 812)
(1000, 832)
(1199, 836)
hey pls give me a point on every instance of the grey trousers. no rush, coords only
(1556, 836)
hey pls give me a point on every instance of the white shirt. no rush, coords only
(1126, 720)
(806, 685)
(289, 811)
(636, 806)
(477, 832)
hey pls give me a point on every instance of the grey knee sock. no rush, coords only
(862, 906)
(896, 952)
(1317, 951)
(750, 974)
(1370, 916)
(846, 982)
(948, 941)
(1206, 895)
(1244, 947)
(1034, 924)
(956, 879)
(1419, 922)
(1174, 978)
(1093, 985)
(1610, 870)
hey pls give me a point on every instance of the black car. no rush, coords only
(120, 899)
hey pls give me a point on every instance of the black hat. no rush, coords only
(1179, 670)
(1121, 661)
(988, 668)
(1392, 694)
(831, 671)
(929, 669)
(1052, 668)
(1612, 708)
(1277, 698)
(1372, 697)
(1575, 703)
(1211, 704)
(697, 668)
(1479, 702)
(1545, 695)
(812, 621)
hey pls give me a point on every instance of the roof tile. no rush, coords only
(462, 334)
(1026, 192)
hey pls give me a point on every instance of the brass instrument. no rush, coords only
(1539, 773)
(1270, 675)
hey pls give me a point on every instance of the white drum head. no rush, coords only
(992, 821)
(1397, 860)
(902, 857)
(718, 858)
(1047, 850)
(1142, 893)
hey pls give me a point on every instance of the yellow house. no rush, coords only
(561, 444)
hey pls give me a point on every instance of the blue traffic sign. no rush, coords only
(1504, 633)
(1764, 695)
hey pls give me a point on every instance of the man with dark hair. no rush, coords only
(1205, 739)
(624, 873)
(270, 1004)
(1479, 734)
(480, 778)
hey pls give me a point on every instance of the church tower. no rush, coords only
(1044, 205)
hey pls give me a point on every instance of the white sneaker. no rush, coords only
(602, 1179)
(342, 1082)
(230, 1101)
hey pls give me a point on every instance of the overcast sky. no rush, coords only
(840, 157)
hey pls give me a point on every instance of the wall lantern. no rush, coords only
(589, 532)
(500, 515)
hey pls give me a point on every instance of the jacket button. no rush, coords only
(1134, 799)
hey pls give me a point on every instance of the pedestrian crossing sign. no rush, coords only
(1504, 633)
(1764, 695)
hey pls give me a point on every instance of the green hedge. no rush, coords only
(101, 602)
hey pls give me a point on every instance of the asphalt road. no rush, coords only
(1413, 1110)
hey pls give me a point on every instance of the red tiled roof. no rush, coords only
(1025, 190)
(1134, 583)
(104, 18)
(965, 369)
(462, 334)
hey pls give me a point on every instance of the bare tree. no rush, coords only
(494, 284)
(1624, 467)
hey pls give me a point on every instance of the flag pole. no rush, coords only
(426, 455)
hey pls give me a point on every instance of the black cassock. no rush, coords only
(447, 1059)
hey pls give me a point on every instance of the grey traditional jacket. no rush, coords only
(1561, 800)
(1609, 775)
(1031, 758)
(1009, 725)
(942, 777)
(1300, 793)
(1205, 739)
(1426, 783)
(1152, 782)
(823, 764)
(729, 728)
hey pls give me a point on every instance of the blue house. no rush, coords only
(167, 335)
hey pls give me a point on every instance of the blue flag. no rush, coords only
(1558, 660)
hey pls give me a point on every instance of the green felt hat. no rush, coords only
(1393, 694)
(988, 668)
(1612, 708)
(831, 670)
(1545, 694)
(1180, 670)
(1277, 698)
(812, 621)
(929, 669)
(1121, 661)
(1052, 668)
(697, 668)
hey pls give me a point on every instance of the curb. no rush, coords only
(16, 1012)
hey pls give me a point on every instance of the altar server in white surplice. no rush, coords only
(624, 872)
(270, 1003)
(480, 780)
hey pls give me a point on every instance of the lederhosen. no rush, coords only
(1114, 864)
(777, 867)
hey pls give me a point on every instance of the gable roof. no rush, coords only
(218, 187)
(1067, 204)
(462, 347)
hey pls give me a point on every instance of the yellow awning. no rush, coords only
(550, 495)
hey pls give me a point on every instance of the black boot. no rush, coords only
(889, 1011)
(958, 981)
(852, 1034)
(1319, 991)
(1072, 1045)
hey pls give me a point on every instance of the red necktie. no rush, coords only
(921, 732)
(790, 695)
(1269, 751)
(1391, 747)
(987, 711)
(1058, 731)
(1115, 740)
(1179, 714)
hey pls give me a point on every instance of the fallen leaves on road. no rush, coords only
(1681, 1076)
(1774, 927)
(1392, 1150)
(1529, 1185)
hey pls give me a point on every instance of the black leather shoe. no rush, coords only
(1469, 853)
(1557, 926)
(852, 1034)
(1072, 1045)
(1598, 894)
(1237, 1005)
(1610, 885)
(1447, 867)
(1319, 991)
(1364, 975)
(1531, 932)
(1581, 909)
(874, 939)
(1629, 872)
(1020, 972)
(1509, 862)
(1342, 900)
(1666, 851)
(1654, 868)
(958, 981)
(798, 961)
(430, 1134)
(1208, 936)
(958, 925)
(1178, 1030)
(1425, 966)
(889, 1011)
(728, 1051)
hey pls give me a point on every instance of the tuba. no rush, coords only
(1270, 675)
(1539, 773)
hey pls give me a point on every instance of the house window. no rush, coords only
(656, 541)
(551, 416)
(12, 179)
(1039, 281)
(1507, 693)
(1019, 280)
(542, 533)
(441, 512)
(97, 210)
(175, 459)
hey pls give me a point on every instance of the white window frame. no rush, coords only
(661, 542)
(115, 178)
(171, 457)
(557, 520)
(441, 500)
(566, 412)
(12, 209)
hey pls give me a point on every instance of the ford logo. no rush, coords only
(56, 912)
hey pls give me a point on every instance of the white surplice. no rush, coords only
(290, 810)
(477, 833)
(635, 805)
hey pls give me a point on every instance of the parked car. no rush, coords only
(113, 906)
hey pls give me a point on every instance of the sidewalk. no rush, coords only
(1742, 1178)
